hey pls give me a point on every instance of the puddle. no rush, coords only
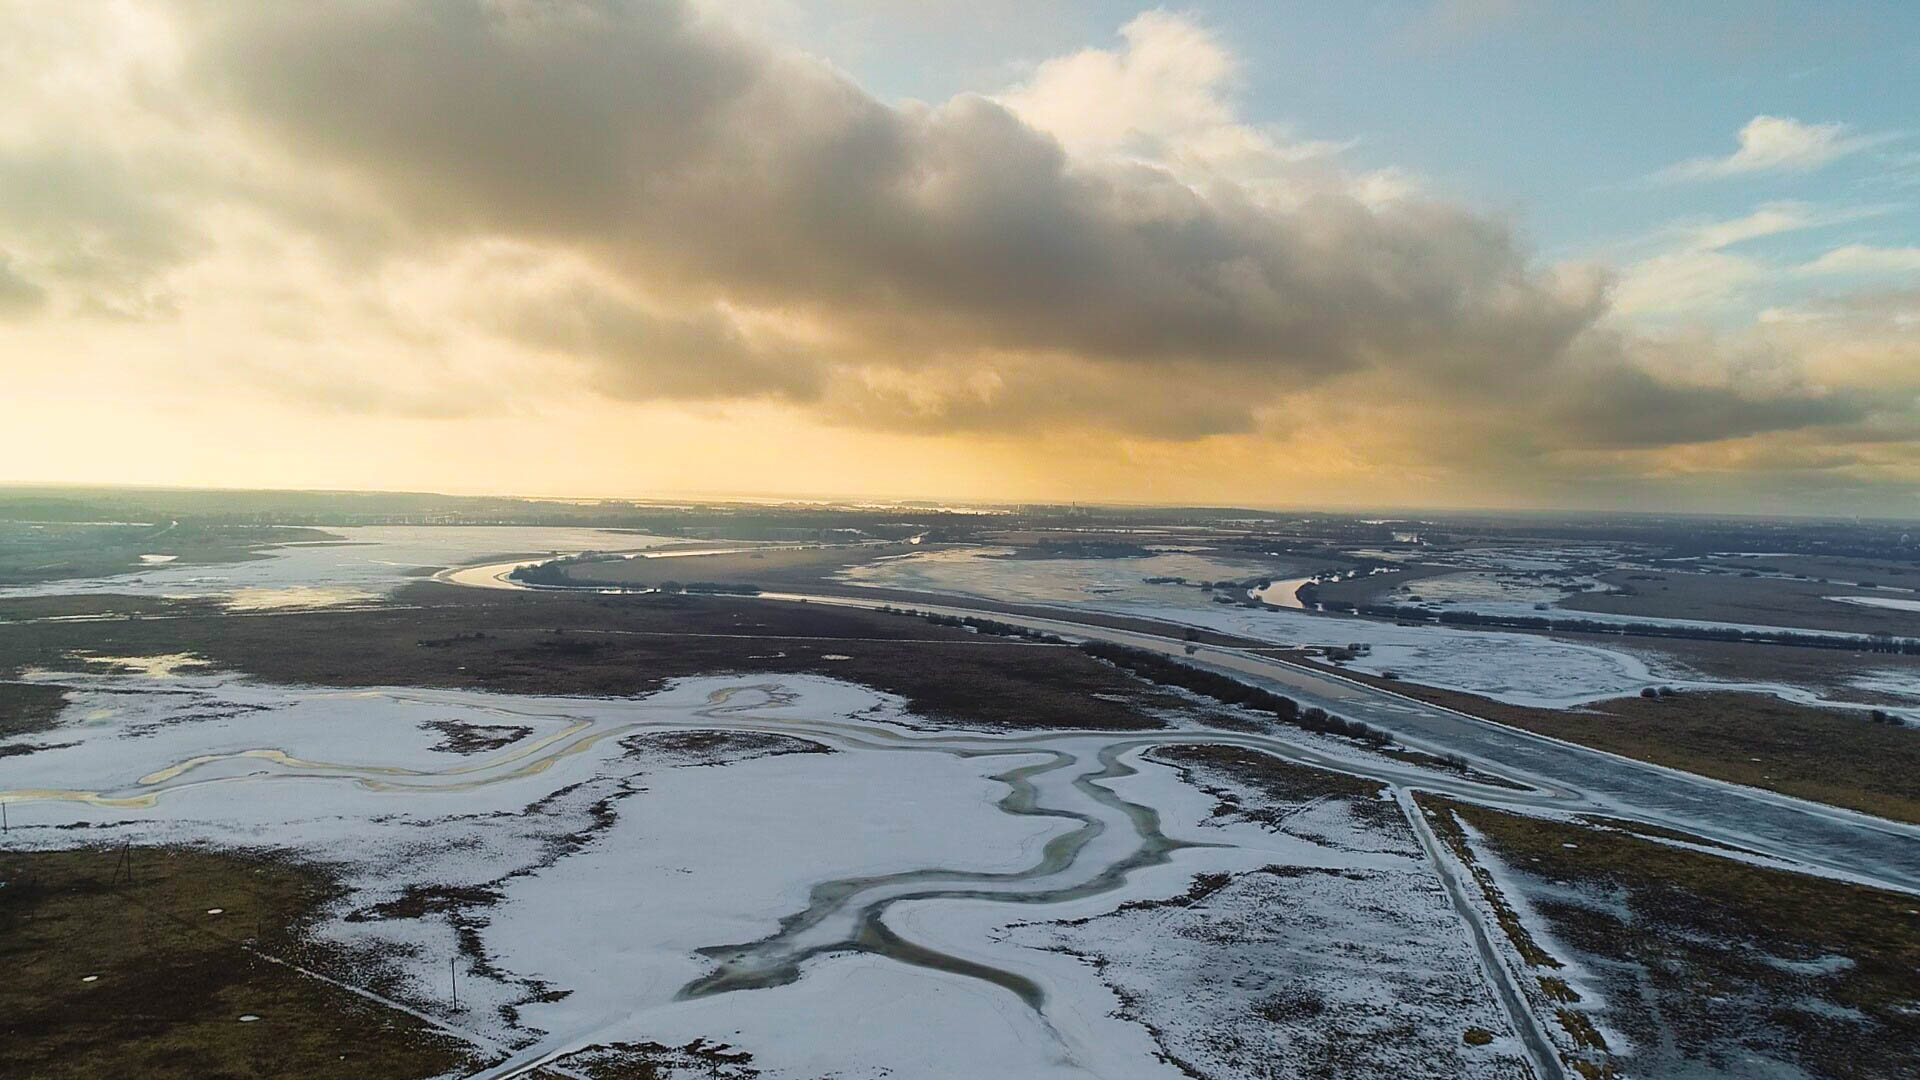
(296, 596)
(164, 666)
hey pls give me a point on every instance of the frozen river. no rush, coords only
(779, 899)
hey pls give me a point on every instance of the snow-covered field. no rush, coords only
(1504, 592)
(1520, 668)
(1319, 943)
(824, 886)
(989, 572)
(366, 563)
(1892, 603)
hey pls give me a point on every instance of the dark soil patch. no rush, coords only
(699, 748)
(460, 737)
(654, 1061)
(418, 901)
(29, 708)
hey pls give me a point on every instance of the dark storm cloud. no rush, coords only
(1626, 407)
(95, 222)
(646, 354)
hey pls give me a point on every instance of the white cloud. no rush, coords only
(1777, 144)
(1769, 220)
(1165, 98)
(1691, 272)
(1685, 281)
(1165, 83)
(1861, 259)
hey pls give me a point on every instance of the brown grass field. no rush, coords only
(562, 643)
(1755, 601)
(170, 981)
(1704, 958)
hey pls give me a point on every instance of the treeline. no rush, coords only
(1081, 549)
(1231, 691)
(553, 575)
(1875, 643)
(978, 625)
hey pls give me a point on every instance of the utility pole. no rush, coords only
(453, 977)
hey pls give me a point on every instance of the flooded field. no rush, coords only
(364, 564)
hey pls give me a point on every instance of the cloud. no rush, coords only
(1634, 407)
(1777, 144)
(1686, 281)
(406, 207)
(18, 296)
(93, 224)
(1772, 219)
(1692, 272)
(642, 353)
(702, 168)
(1165, 84)
(1862, 259)
(1165, 99)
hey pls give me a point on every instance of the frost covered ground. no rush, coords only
(1891, 602)
(787, 871)
(1319, 943)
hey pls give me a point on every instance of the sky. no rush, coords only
(1422, 253)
